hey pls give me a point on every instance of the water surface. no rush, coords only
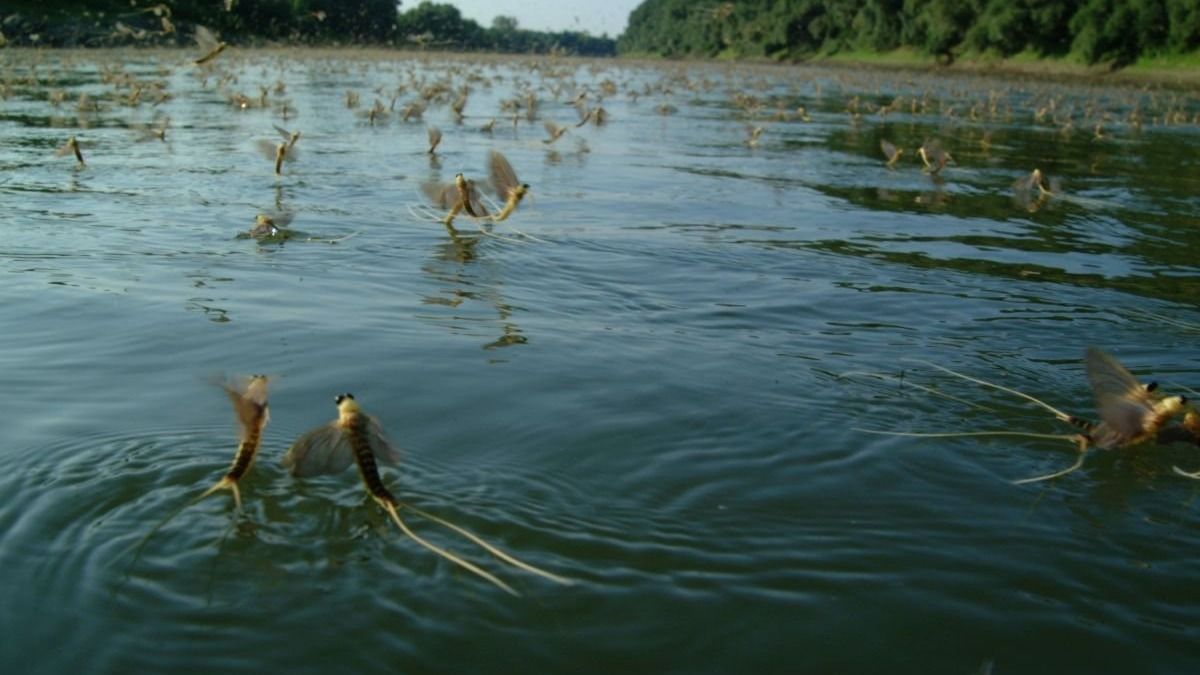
(644, 382)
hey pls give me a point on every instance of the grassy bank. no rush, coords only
(1179, 69)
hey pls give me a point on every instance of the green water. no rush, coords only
(639, 381)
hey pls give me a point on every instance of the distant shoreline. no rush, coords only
(1174, 73)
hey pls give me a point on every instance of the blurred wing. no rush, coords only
(435, 135)
(280, 218)
(1025, 184)
(380, 447)
(1121, 401)
(266, 148)
(324, 450)
(504, 179)
(249, 401)
(889, 150)
(474, 203)
(287, 135)
(291, 154)
(205, 39)
(443, 195)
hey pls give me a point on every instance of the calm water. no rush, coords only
(645, 383)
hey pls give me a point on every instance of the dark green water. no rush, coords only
(640, 384)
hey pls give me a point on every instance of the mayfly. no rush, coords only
(510, 190)
(460, 195)
(554, 131)
(272, 228)
(158, 131)
(284, 151)
(1188, 430)
(250, 406)
(891, 152)
(290, 137)
(249, 400)
(267, 226)
(72, 145)
(1130, 412)
(209, 43)
(357, 438)
(435, 138)
(933, 156)
(753, 134)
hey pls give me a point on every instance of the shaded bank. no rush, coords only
(428, 25)
(1117, 32)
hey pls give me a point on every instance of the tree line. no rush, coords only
(1117, 31)
(426, 25)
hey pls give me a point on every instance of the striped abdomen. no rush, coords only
(245, 455)
(367, 467)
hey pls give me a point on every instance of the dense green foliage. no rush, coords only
(426, 24)
(442, 25)
(1096, 30)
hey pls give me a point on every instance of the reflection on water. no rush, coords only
(676, 427)
(463, 281)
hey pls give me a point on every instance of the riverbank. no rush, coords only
(1177, 70)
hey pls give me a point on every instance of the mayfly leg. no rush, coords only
(488, 547)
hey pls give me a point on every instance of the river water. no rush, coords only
(650, 379)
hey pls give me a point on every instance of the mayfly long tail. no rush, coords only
(1057, 413)
(488, 547)
(915, 385)
(141, 543)
(1037, 479)
(390, 507)
(1195, 475)
(955, 434)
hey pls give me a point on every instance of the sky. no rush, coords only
(595, 16)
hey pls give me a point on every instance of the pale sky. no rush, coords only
(594, 16)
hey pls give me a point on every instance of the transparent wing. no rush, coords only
(1121, 401)
(276, 218)
(266, 148)
(443, 195)
(504, 179)
(380, 447)
(435, 136)
(205, 39)
(474, 203)
(249, 399)
(324, 450)
(889, 150)
(1026, 183)
(287, 135)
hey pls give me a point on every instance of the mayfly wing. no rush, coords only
(443, 195)
(205, 39)
(324, 450)
(266, 148)
(435, 136)
(249, 401)
(380, 447)
(504, 179)
(1026, 183)
(1121, 401)
(474, 204)
(287, 135)
(889, 150)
